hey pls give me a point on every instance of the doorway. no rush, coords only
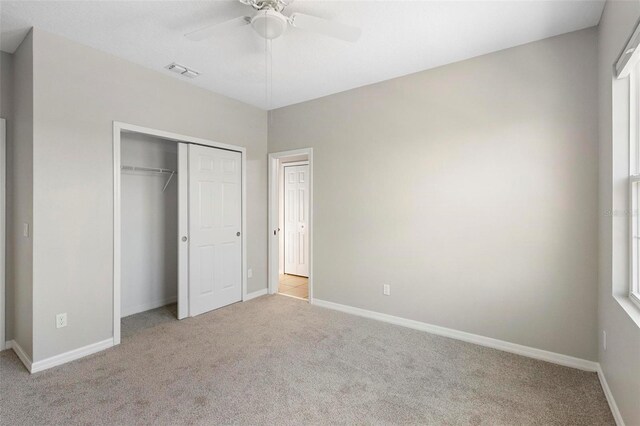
(180, 209)
(291, 223)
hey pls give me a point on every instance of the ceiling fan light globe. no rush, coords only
(269, 24)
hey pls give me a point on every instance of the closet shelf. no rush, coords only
(148, 169)
(152, 170)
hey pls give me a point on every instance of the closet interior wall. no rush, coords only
(149, 223)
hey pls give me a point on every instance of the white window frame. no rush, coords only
(634, 184)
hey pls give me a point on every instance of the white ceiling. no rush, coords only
(398, 38)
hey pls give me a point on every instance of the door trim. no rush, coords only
(118, 128)
(294, 164)
(273, 210)
(3, 235)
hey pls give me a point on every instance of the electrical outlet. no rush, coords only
(250, 273)
(61, 320)
(386, 289)
(25, 230)
(604, 340)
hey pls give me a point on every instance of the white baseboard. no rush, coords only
(617, 416)
(132, 310)
(65, 357)
(527, 351)
(255, 294)
(502, 345)
(22, 355)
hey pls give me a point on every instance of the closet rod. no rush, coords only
(148, 169)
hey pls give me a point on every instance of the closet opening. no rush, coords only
(149, 230)
(179, 241)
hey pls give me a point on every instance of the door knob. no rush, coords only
(238, 234)
(184, 238)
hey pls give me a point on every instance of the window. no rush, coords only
(634, 182)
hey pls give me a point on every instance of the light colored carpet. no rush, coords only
(278, 360)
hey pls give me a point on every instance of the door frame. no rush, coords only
(118, 129)
(275, 162)
(3, 235)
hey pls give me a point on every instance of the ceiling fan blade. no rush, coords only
(325, 27)
(214, 29)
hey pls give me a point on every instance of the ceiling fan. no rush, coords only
(270, 23)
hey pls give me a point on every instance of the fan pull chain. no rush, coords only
(268, 77)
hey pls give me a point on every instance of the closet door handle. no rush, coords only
(238, 234)
(184, 239)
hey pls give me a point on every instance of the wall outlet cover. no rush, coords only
(61, 320)
(386, 289)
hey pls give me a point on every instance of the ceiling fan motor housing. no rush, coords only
(269, 24)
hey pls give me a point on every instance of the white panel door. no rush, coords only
(215, 219)
(296, 220)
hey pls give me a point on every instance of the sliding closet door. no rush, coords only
(183, 230)
(215, 219)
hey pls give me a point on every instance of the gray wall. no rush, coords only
(621, 361)
(6, 112)
(149, 224)
(20, 204)
(471, 189)
(6, 85)
(79, 91)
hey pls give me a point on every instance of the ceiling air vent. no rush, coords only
(181, 69)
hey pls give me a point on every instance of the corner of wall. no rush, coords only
(6, 112)
(21, 202)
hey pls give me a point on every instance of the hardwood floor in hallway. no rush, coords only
(294, 285)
